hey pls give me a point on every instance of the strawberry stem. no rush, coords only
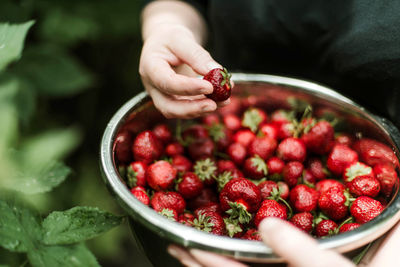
(239, 212)
(203, 223)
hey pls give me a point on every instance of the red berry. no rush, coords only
(181, 163)
(270, 208)
(136, 174)
(325, 228)
(303, 198)
(174, 149)
(292, 172)
(316, 168)
(324, 185)
(147, 147)
(275, 166)
(365, 209)
(339, 158)
(163, 133)
(364, 185)
(333, 203)
(373, 152)
(320, 138)
(210, 222)
(225, 165)
(186, 219)
(266, 188)
(344, 139)
(211, 206)
(140, 193)
(243, 191)
(193, 132)
(281, 116)
(270, 130)
(387, 177)
(252, 234)
(348, 227)
(303, 221)
(283, 189)
(168, 200)
(210, 119)
(220, 80)
(292, 149)
(253, 118)
(122, 147)
(262, 146)
(232, 122)
(190, 186)
(255, 168)
(357, 169)
(237, 153)
(160, 175)
(201, 148)
(244, 137)
(206, 196)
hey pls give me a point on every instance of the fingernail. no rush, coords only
(173, 252)
(208, 108)
(189, 263)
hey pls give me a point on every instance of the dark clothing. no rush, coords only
(351, 45)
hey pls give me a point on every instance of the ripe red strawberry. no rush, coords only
(211, 206)
(220, 135)
(269, 130)
(387, 177)
(357, 169)
(206, 196)
(122, 147)
(275, 167)
(364, 185)
(281, 116)
(344, 139)
(308, 178)
(220, 79)
(266, 188)
(163, 133)
(252, 234)
(285, 130)
(244, 137)
(136, 174)
(181, 163)
(193, 132)
(225, 165)
(210, 222)
(339, 158)
(253, 118)
(292, 173)
(210, 119)
(325, 228)
(206, 170)
(160, 175)
(170, 214)
(174, 149)
(270, 208)
(303, 198)
(365, 209)
(373, 152)
(140, 193)
(291, 149)
(303, 221)
(168, 200)
(201, 148)
(334, 203)
(190, 185)
(324, 185)
(283, 190)
(315, 166)
(239, 198)
(186, 218)
(146, 147)
(255, 167)
(237, 153)
(348, 227)
(232, 122)
(320, 138)
(262, 146)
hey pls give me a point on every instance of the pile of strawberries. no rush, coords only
(227, 171)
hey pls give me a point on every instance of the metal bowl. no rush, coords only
(154, 232)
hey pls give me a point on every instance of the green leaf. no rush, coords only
(19, 226)
(77, 224)
(12, 38)
(53, 71)
(8, 113)
(68, 256)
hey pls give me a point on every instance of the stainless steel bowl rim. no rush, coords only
(241, 249)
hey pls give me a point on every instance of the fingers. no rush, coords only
(183, 256)
(213, 260)
(296, 247)
(172, 107)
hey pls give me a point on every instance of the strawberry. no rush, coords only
(233, 228)
(140, 193)
(210, 222)
(206, 196)
(266, 188)
(308, 178)
(292, 172)
(285, 130)
(334, 203)
(303, 221)
(146, 147)
(136, 174)
(365, 209)
(201, 148)
(315, 166)
(325, 228)
(206, 170)
(181, 163)
(291, 149)
(122, 146)
(190, 185)
(262, 146)
(283, 190)
(275, 167)
(220, 80)
(160, 175)
(364, 185)
(211, 206)
(255, 167)
(339, 158)
(232, 122)
(373, 152)
(252, 234)
(220, 135)
(356, 169)
(186, 218)
(244, 137)
(168, 200)
(253, 118)
(174, 149)
(163, 133)
(170, 214)
(303, 198)
(270, 208)
(324, 185)
(348, 227)
(235, 107)
(239, 198)
(320, 138)
(210, 119)
(237, 153)
(193, 132)
(387, 177)
(269, 130)
(225, 165)
(344, 139)
(281, 116)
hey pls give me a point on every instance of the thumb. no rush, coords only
(189, 51)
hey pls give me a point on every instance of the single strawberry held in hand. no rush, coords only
(220, 79)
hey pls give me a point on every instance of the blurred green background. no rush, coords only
(78, 66)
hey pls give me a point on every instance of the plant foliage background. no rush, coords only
(65, 68)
